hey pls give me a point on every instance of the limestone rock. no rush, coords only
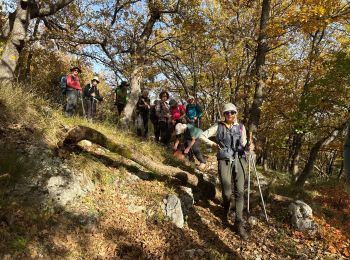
(172, 209)
(301, 217)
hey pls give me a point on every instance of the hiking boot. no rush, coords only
(240, 230)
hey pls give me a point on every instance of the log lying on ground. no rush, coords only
(79, 133)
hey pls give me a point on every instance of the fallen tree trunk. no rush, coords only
(79, 133)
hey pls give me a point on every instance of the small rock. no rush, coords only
(86, 143)
(252, 221)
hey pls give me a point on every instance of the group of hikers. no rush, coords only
(183, 122)
(73, 92)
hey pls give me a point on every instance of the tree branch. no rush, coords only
(50, 10)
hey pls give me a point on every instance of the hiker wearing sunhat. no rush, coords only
(192, 142)
(193, 112)
(231, 141)
(92, 96)
(73, 90)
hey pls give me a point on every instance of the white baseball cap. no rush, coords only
(229, 107)
(180, 128)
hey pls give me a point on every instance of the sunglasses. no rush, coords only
(232, 112)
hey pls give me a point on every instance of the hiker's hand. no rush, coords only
(93, 94)
(215, 145)
(186, 151)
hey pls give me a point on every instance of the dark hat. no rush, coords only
(164, 92)
(124, 84)
(75, 67)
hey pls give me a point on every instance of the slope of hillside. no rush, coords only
(90, 202)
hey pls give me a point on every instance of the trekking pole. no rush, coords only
(249, 164)
(257, 178)
(82, 104)
(249, 170)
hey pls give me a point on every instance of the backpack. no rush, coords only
(63, 84)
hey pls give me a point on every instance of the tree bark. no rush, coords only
(80, 133)
(16, 33)
(259, 73)
(135, 82)
(313, 155)
(138, 53)
(295, 156)
(347, 155)
(15, 43)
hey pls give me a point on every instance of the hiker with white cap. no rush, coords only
(231, 141)
(92, 96)
(192, 142)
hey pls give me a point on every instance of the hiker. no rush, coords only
(192, 142)
(193, 112)
(154, 119)
(121, 96)
(164, 117)
(142, 109)
(231, 140)
(178, 112)
(73, 91)
(91, 97)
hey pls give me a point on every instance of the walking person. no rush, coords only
(193, 112)
(121, 96)
(73, 91)
(155, 120)
(92, 96)
(143, 107)
(192, 142)
(164, 117)
(231, 140)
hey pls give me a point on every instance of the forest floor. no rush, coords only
(121, 217)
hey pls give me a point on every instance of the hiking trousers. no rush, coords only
(144, 117)
(164, 130)
(232, 185)
(90, 108)
(195, 151)
(72, 96)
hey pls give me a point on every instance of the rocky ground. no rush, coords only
(114, 208)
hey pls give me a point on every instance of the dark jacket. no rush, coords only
(143, 105)
(89, 89)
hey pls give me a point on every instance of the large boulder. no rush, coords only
(172, 209)
(301, 217)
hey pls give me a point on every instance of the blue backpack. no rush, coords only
(63, 84)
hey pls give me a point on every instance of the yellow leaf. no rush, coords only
(13, 57)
